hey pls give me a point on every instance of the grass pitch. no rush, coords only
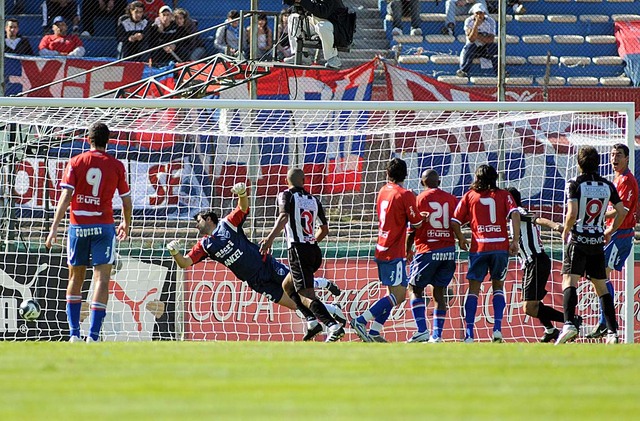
(261, 380)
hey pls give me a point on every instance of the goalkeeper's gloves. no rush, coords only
(240, 189)
(173, 247)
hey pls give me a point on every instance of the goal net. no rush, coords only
(183, 156)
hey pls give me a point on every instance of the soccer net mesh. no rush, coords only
(184, 158)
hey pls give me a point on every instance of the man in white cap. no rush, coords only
(480, 29)
(453, 8)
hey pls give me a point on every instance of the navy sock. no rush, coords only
(98, 311)
(499, 303)
(74, 305)
(418, 310)
(470, 307)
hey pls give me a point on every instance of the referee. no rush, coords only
(299, 211)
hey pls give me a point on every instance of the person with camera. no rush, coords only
(480, 29)
(318, 14)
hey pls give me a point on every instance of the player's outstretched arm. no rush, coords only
(544, 222)
(240, 189)
(174, 250)
(63, 204)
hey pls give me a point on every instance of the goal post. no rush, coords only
(182, 156)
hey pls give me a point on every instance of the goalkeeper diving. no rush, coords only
(225, 242)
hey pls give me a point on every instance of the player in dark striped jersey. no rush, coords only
(617, 250)
(536, 266)
(225, 242)
(299, 211)
(585, 235)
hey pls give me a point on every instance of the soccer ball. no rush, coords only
(29, 309)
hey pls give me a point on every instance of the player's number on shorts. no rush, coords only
(491, 203)
(306, 218)
(94, 176)
(439, 216)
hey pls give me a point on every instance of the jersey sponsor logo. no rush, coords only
(596, 191)
(441, 257)
(590, 241)
(438, 234)
(489, 228)
(232, 259)
(88, 200)
(88, 232)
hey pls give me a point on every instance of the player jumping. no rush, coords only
(225, 242)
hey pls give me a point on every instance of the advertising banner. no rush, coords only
(141, 298)
(219, 307)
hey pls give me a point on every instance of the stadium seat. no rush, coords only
(551, 81)
(454, 80)
(583, 81)
(615, 81)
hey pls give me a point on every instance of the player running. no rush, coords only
(617, 250)
(487, 208)
(225, 242)
(88, 184)
(396, 206)
(435, 259)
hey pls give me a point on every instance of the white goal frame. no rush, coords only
(627, 109)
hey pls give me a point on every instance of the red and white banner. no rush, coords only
(219, 307)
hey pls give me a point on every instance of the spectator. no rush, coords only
(163, 31)
(227, 36)
(111, 9)
(455, 8)
(132, 31)
(59, 43)
(398, 8)
(68, 9)
(481, 33)
(265, 38)
(283, 48)
(152, 9)
(14, 43)
(317, 15)
(191, 49)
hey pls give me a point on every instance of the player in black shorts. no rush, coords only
(585, 235)
(536, 266)
(299, 211)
